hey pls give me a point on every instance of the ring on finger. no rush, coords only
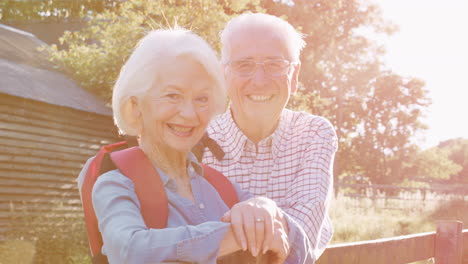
(259, 220)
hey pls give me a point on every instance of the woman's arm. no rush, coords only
(229, 244)
(128, 240)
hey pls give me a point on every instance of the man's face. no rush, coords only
(259, 96)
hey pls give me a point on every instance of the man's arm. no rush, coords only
(308, 197)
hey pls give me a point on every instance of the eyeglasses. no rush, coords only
(245, 67)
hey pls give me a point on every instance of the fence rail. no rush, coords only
(445, 246)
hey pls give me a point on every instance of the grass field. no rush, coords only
(357, 220)
(354, 220)
(365, 219)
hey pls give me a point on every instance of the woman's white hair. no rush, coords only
(292, 39)
(147, 63)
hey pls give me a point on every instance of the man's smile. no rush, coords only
(260, 98)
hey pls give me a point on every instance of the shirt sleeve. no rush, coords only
(128, 240)
(310, 193)
(301, 251)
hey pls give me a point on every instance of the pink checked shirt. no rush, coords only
(293, 166)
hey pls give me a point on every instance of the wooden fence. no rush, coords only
(445, 246)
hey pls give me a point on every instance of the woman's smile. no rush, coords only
(180, 130)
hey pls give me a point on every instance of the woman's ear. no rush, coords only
(131, 112)
(135, 106)
(136, 114)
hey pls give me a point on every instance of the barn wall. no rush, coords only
(42, 149)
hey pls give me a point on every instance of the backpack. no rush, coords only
(134, 164)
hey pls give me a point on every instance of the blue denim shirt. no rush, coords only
(194, 231)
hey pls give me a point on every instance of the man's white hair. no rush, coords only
(147, 63)
(293, 40)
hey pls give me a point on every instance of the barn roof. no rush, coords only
(25, 72)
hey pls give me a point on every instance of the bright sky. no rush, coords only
(432, 44)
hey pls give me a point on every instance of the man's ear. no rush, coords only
(224, 68)
(295, 78)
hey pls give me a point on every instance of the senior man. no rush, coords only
(269, 150)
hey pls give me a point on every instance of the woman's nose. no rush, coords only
(187, 110)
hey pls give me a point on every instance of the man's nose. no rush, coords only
(260, 77)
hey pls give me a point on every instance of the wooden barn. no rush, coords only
(49, 127)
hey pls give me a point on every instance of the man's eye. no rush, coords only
(202, 99)
(276, 64)
(244, 65)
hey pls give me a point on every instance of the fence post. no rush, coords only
(448, 242)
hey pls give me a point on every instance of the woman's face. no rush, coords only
(177, 109)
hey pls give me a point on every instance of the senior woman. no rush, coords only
(166, 93)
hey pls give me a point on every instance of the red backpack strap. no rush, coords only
(133, 163)
(93, 172)
(222, 184)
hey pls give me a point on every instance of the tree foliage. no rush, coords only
(95, 54)
(51, 10)
(343, 78)
(457, 150)
(434, 163)
(375, 111)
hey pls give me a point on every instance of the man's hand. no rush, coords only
(253, 223)
(279, 248)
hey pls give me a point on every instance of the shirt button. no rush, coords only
(202, 206)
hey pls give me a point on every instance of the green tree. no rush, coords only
(457, 150)
(390, 116)
(434, 163)
(95, 54)
(51, 10)
(375, 111)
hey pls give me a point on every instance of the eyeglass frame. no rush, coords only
(263, 66)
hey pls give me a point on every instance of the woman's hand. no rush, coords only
(229, 244)
(253, 223)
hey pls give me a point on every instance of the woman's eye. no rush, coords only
(173, 96)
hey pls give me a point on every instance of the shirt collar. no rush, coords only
(192, 162)
(235, 140)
